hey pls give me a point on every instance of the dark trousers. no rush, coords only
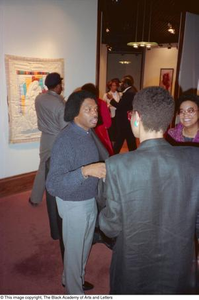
(112, 131)
(123, 134)
(55, 221)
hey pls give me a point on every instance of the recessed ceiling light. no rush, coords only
(125, 62)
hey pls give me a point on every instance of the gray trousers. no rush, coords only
(38, 189)
(78, 224)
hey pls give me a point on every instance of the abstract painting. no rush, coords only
(25, 80)
(166, 79)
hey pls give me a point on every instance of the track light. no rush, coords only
(109, 48)
(171, 29)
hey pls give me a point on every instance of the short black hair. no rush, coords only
(90, 87)
(74, 102)
(187, 97)
(127, 81)
(52, 80)
(155, 106)
(131, 78)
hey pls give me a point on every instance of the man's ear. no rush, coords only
(137, 117)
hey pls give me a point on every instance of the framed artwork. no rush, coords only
(166, 79)
(25, 80)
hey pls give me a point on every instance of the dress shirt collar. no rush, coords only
(127, 89)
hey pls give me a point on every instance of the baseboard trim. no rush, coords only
(16, 184)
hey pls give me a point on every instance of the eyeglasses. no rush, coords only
(129, 114)
(190, 111)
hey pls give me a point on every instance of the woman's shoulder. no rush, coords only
(196, 139)
(178, 127)
(176, 131)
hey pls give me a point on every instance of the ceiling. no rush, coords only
(146, 19)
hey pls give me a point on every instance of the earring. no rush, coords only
(136, 123)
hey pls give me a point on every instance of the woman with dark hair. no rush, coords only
(112, 86)
(104, 119)
(187, 130)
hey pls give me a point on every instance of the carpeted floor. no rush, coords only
(30, 261)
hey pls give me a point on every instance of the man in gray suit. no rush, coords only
(50, 118)
(152, 203)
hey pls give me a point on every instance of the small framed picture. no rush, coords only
(166, 79)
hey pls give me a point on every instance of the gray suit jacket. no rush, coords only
(152, 202)
(50, 112)
(49, 108)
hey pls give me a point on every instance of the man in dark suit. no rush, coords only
(123, 127)
(152, 203)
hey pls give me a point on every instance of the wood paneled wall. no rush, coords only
(16, 184)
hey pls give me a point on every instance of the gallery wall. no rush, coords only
(102, 70)
(44, 29)
(155, 59)
(158, 58)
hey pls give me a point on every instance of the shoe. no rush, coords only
(100, 237)
(86, 286)
(32, 203)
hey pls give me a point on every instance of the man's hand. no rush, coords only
(109, 96)
(95, 170)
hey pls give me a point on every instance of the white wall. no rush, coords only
(103, 69)
(44, 29)
(158, 58)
